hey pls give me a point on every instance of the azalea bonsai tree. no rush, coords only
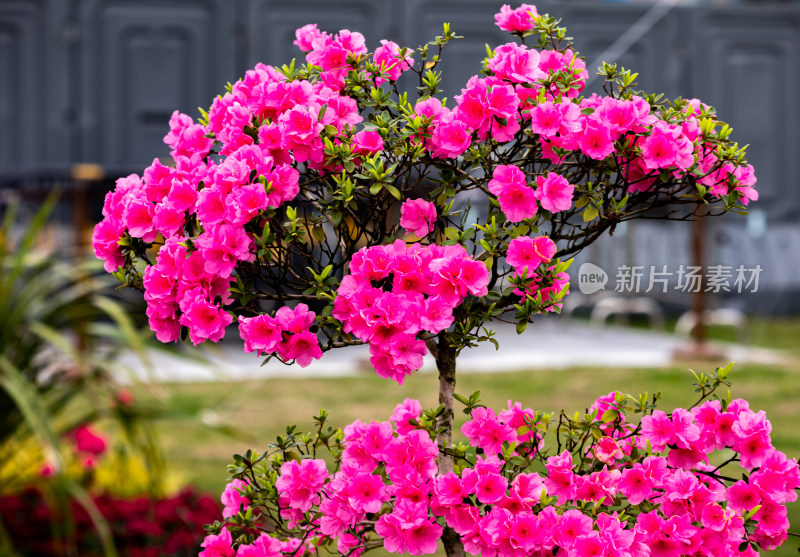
(319, 206)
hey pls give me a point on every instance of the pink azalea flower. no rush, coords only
(233, 499)
(490, 488)
(303, 347)
(607, 450)
(260, 334)
(185, 137)
(448, 490)
(659, 149)
(306, 35)
(301, 482)
(407, 410)
(104, 243)
(525, 254)
(406, 351)
(157, 181)
(554, 192)
(388, 57)
(658, 429)
(518, 202)
(169, 221)
(772, 518)
(211, 206)
(451, 137)
(138, 218)
(503, 176)
(777, 478)
(595, 141)
(220, 545)
(407, 529)
(572, 526)
(484, 430)
(515, 63)
(300, 130)
(366, 492)
(591, 545)
(687, 434)
(222, 248)
(205, 321)
(546, 119)
(518, 19)
(295, 320)
(619, 115)
(437, 316)
(158, 286)
(88, 440)
(418, 216)
(367, 142)
(523, 533)
(635, 485)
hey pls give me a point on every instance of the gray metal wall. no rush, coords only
(96, 81)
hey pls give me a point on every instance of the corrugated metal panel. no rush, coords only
(96, 80)
(143, 60)
(658, 57)
(32, 100)
(747, 64)
(272, 24)
(471, 19)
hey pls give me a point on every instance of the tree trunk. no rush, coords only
(445, 356)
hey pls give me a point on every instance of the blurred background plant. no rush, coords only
(81, 472)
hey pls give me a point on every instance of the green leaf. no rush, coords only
(125, 325)
(318, 233)
(393, 190)
(609, 416)
(451, 233)
(33, 409)
(100, 523)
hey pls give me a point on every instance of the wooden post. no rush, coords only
(699, 333)
(82, 174)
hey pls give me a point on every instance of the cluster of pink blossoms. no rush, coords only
(525, 255)
(517, 20)
(598, 127)
(288, 334)
(518, 201)
(418, 217)
(331, 53)
(264, 125)
(677, 503)
(233, 498)
(396, 292)
(493, 107)
(234, 170)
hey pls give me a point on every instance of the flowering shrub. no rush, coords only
(141, 527)
(604, 485)
(289, 182)
(325, 190)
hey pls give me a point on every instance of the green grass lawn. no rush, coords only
(258, 411)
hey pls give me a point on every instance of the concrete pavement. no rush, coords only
(552, 342)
